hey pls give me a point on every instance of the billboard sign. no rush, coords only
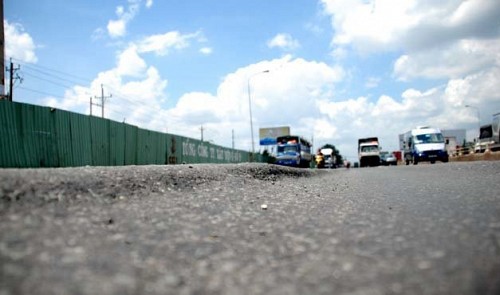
(268, 136)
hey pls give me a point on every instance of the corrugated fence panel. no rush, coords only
(62, 124)
(45, 118)
(148, 147)
(160, 148)
(188, 150)
(35, 136)
(81, 140)
(164, 149)
(117, 143)
(130, 144)
(38, 134)
(100, 141)
(31, 151)
(173, 149)
(11, 146)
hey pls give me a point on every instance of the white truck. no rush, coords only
(424, 144)
(330, 159)
(489, 136)
(368, 152)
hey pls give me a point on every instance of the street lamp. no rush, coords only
(478, 118)
(250, 106)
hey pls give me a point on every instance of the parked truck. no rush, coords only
(424, 144)
(489, 136)
(368, 152)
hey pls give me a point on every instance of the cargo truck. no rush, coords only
(489, 136)
(368, 152)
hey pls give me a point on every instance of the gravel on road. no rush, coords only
(250, 229)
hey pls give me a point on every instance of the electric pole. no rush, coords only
(13, 76)
(201, 129)
(102, 98)
(2, 54)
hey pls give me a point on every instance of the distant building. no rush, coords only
(455, 137)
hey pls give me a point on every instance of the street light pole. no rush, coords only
(250, 107)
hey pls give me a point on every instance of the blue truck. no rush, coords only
(294, 151)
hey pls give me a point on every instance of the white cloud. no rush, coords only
(161, 43)
(118, 27)
(453, 45)
(130, 63)
(462, 58)
(294, 88)
(137, 88)
(369, 25)
(409, 24)
(206, 50)
(283, 41)
(137, 91)
(289, 90)
(18, 43)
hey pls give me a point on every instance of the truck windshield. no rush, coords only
(486, 132)
(369, 149)
(429, 138)
(287, 148)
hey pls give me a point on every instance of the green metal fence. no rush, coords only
(35, 136)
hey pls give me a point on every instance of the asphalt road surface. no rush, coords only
(251, 229)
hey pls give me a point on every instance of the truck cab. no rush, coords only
(424, 144)
(368, 152)
(485, 138)
(489, 136)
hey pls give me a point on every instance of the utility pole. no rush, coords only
(13, 71)
(2, 54)
(102, 98)
(201, 129)
(91, 104)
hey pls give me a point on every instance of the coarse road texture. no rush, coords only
(202, 229)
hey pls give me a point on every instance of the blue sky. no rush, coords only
(338, 69)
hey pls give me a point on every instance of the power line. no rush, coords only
(48, 80)
(38, 91)
(60, 79)
(52, 72)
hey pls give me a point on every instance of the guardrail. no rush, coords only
(468, 154)
(461, 151)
